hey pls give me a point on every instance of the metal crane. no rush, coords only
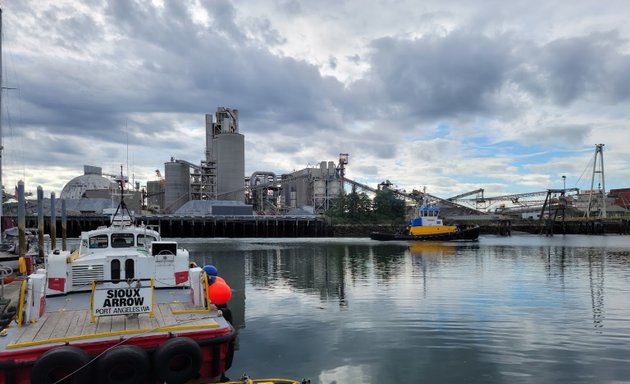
(476, 191)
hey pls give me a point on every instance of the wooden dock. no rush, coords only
(204, 226)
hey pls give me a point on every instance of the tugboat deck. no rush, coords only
(66, 323)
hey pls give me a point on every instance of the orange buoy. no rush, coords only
(219, 293)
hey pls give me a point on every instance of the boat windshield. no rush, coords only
(122, 240)
(145, 240)
(429, 212)
(99, 241)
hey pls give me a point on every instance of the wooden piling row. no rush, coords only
(204, 227)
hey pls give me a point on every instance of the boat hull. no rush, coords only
(177, 328)
(468, 233)
(215, 352)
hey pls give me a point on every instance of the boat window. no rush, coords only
(122, 240)
(129, 269)
(98, 241)
(115, 270)
(145, 240)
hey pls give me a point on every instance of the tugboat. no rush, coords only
(428, 226)
(125, 307)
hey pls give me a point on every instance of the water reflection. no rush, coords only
(596, 280)
(558, 259)
(378, 312)
(312, 270)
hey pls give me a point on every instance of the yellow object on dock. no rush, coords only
(22, 264)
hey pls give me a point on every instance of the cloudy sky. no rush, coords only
(452, 95)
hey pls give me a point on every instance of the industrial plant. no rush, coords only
(216, 185)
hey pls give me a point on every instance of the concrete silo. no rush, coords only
(226, 150)
(333, 185)
(177, 185)
(155, 195)
(230, 152)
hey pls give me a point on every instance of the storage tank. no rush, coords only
(177, 185)
(155, 194)
(319, 188)
(229, 149)
(334, 188)
(332, 168)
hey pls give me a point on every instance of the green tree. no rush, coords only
(388, 207)
(353, 208)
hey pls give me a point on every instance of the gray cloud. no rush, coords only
(569, 69)
(129, 70)
(441, 76)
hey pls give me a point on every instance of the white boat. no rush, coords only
(119, 252)
(126, 306)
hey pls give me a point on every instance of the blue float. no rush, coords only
(211, 270)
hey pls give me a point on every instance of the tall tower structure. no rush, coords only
(177, 186)
(600, 193)
(224, 166)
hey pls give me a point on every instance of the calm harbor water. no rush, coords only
(520, 309)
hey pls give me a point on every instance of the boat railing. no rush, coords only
(152, 227)
(121, 221)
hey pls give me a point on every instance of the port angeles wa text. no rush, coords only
(121, 301)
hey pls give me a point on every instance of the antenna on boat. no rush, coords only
(122, 206)
(1, 145)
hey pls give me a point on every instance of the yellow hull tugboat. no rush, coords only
(428, 226)
(126, 307)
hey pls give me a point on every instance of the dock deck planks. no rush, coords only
(62, 324)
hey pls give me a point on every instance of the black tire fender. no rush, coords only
(177, 360)
(55, 364)
(227, 314)
(124, 364)
(5, 319)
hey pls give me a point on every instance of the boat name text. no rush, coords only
(122, 301)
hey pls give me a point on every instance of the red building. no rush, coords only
(622, 197)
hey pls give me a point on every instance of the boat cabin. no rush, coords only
(117, 253)
(427, 216)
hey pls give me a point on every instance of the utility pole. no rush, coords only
(1, 144)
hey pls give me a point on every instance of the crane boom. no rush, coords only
(457, 197)
(517, 196)
(417, 196)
